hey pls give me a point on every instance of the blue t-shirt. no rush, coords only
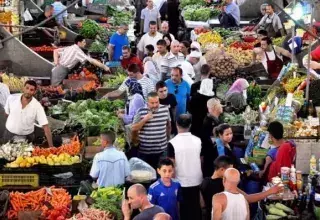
(182, 93)
(118, 41)
(298, 45)
(273, 153)
(166, 196)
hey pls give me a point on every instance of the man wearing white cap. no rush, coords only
(187, 65)
(199, 62)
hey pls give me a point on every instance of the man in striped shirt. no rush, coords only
(173, 59)
(133, 72)
(68, 57)
(153, 123)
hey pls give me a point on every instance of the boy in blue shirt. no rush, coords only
(165, 192)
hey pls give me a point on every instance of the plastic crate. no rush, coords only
(19, 180)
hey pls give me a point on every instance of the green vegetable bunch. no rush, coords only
(108, 199)
(233, 119)
(222, 31)
(197, 13)
(122, 17)
(90, 29)
(114, 81)
(97, 47)
(184, 3)
(254, 95)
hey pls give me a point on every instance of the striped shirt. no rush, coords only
(4, 93)
(146, 84)
(169, 62)
(71, 56)
(57, 8)
(153, 135)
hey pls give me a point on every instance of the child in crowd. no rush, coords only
(165, 192)
(150, 50)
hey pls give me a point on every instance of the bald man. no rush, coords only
(173, 59)
(230, 204)
(137, 199)
(165, 29)
(162, 216)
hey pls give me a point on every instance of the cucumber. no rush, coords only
(273, 217)
(284, 208)
(278, 212)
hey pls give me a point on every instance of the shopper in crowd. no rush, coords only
(133, 72)
(169, 100)
(230, 16)
(184, 149)
(185, 48)
(150, 50)
(194, 59)
(151, 70)
(237, 94)
(129, 58)
(271, 23)
(197, 62)
(135, 101)
(198, 106)
(117, 41)
(138, 199)
(220, 146)
(230, 204)
(166, 192)
(23, 111)
(150, 37)
(315, 60)
(173, 59)
(58, 7)
(4, 93)
(271, 57)
(162, 216)
(214, 184)
(165, 29)
(68, 57)
(45, 35)
(204, 74)
(161, 53)
(109, 167)
(286, 151)
(149, 13)
(180, 88)
(211, 121)
(154, 126)
(168, 40)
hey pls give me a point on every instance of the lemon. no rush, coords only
(19, 159)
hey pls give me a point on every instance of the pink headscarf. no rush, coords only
(238, 86)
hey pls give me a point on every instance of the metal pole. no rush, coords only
(309, 54)
(293, 35)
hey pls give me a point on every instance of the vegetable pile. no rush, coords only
(223, 32)
(243, 57)
(14, 83)
(90, 29)
(97, 47)
(57, 198)
(108, 199)
(92, 214)
(184, 3)
(43, 48)
(254, 95)
(242, 45)
(278, 41)
(197, 13)
(115, 80)
(233, 119)
(10, 151)
(278, 211)
(211, 37)
(221, 64)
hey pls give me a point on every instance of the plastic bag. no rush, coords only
(27, 16)
(141, 171)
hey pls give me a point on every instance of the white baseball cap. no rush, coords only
(195, 54)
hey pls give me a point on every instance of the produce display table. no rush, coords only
(194, 24)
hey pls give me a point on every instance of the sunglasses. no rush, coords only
(193, 49)
(176, 90)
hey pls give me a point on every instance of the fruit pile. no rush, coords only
(209, 38)
(200, 30)
(85, 74)
(14, 83)
(242, 45)
(43, 49)
(243, 57)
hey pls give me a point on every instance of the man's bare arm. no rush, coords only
(47, 132)
(111, 52)
(218, 202)
(252, 198)
(113, 94)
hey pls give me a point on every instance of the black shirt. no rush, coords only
(209, 123)
(208, 188)
(49, 24)
(171, 102)
(194, 88)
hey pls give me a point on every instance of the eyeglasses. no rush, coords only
(176, 90)
(193, 49)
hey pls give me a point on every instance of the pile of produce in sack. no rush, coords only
(221, 64)
(141, 171)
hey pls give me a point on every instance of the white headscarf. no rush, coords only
(206, 87)
(151, 70)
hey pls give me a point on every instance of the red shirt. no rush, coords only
(133, 59)
(285, 157)
(315, 54)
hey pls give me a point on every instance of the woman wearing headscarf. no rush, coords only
(195, 46)
(198, 105)
(151, 70)
(237, 94)
(134, 102)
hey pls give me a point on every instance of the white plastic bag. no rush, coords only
(140, 171)
(27, 15)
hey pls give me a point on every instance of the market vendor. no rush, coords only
(117, 41)
(271, 57)
(230, 16)
(23, 110)
(314, 60)
(237, 94)
(109, 167)
(68, 57)
(129, 58)
(271, 23)
(286, 150)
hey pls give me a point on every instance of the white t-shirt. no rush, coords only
(147, 39)
(4, 94)
(187, 72)
(271, 55)
(21, 121)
